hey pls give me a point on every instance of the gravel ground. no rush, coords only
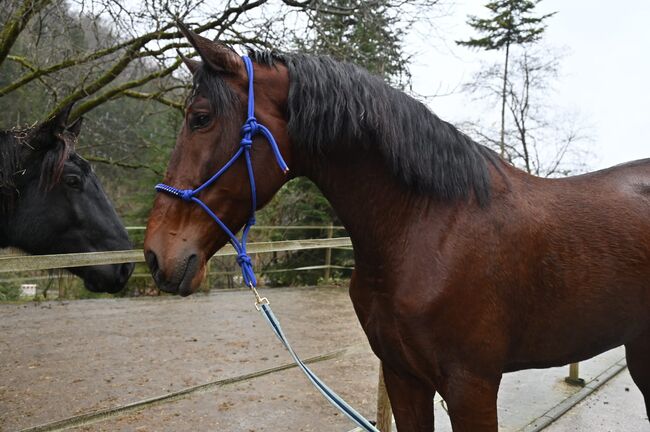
(62, 359)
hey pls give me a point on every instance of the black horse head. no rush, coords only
(52, 202)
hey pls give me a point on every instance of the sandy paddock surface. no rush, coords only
(63, 359)
(58, 360)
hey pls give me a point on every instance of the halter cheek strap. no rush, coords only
(251, 128)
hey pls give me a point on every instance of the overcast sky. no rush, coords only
(605, 73)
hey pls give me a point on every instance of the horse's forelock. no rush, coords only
(213, 87)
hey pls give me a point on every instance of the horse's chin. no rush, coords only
(96, 288)
(186, 280)
(105, 278)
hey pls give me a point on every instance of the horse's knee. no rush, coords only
(472, 403)
(411, 401)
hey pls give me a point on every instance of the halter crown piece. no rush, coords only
(251, 128)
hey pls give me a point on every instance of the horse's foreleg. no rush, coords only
(412, 402)
(638, 363)
(472, 402)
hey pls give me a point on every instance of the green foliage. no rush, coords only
(509, 24)
(299, 202)
(370, 36)
(9, 291)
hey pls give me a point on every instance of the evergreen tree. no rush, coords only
(369, 36)
(510, 23)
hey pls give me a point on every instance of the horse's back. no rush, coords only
(628, 177)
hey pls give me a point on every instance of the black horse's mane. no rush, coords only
(336, 103)
(10, 164)
(15, 159)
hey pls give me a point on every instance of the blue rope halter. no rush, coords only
(251, 128)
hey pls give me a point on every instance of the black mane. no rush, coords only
(22, 150)
(10, 164)
(335, 103)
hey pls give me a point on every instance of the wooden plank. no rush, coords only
(46, 262)
(384, 411)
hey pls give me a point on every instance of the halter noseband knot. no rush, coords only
(250, 127)
(186, 194)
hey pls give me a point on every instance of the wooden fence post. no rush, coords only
(384, 411)
(207, 282)
(62, 289)
(328, 255)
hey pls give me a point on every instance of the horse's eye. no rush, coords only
(199, 120)
(74, 181)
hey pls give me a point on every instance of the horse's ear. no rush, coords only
(75, 127)
(47, 133)
(192, 65)
(58, 122)
(217, 56)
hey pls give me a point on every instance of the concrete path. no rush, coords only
(616, 407)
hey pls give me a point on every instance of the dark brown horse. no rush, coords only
(466, 267)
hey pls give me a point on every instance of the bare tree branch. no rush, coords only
(17, 22)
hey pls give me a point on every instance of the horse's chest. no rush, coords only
(386, 334)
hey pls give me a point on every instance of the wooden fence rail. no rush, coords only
(13, 263)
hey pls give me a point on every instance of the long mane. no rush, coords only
(333, 106)
(10, 164)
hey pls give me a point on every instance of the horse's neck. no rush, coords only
(377, 211)
(385, 220)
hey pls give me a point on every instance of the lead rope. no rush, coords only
(248, 130)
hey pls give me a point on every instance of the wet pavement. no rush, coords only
(58, 360)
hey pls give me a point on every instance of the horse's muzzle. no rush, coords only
(178, 276)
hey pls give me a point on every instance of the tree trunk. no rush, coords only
(502, 143)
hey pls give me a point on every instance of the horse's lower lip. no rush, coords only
(185, 291)
(168, 288)
(184, 285)
(90, 286)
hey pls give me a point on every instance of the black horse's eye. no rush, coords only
(199, 120)
(74, 181)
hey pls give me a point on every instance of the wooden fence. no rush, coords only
(14, 263)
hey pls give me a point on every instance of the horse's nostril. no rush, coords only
(152, 261)
(125, 272)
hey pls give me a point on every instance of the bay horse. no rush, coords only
(51, 201)
(465, 266)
